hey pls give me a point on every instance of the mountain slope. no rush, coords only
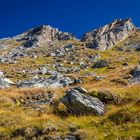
(54, 86)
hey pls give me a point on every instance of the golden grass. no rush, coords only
(89, 127)
(119, 122)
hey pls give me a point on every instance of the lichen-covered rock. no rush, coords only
(79, 103)
(106, 37)
(101, 64)
(136, 75)
(4, 82)
(57, 81)
(43, 35)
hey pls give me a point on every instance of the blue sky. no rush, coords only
(75, 16)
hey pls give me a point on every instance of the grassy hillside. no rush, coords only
(121, 120)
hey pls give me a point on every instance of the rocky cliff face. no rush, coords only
(43, 35)
(106, 37)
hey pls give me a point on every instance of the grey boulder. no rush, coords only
(101, 64)
(80, 104)
(4, 82)
(136, 75)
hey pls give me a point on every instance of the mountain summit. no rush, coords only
(101, 39)
(108, 36)
(43, 35)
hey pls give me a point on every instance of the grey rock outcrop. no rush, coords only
(106, 37)
(2, 46)
(7, 60)
(79, 103)
(136, 75)
(57, 81)
(135, 46)
(4, 82)
(43, 35)
(101, 64)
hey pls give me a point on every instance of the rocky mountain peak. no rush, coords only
(42, 35)
(109, 35)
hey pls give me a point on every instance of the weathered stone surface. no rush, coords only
(136, 75)
(101, 64)
(70, 137)
(4, 82)
(2, 46)
(79, 103)
(94, 57)
(81, 89)
(7, 60)
(57, 81)
(135, 46)
(11, 56)
(90, 74)
(106, 37)
(44, 35)
(99, 78)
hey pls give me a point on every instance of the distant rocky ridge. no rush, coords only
(101, 39)
(106, 37)
(42, 35)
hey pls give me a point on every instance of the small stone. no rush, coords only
(101, 64)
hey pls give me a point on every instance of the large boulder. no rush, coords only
(136, 75)
(106, 37)
(79, 103)
(4, 82)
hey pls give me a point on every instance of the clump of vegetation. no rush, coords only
(123, 116)
(121, 81)
(27, 123)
